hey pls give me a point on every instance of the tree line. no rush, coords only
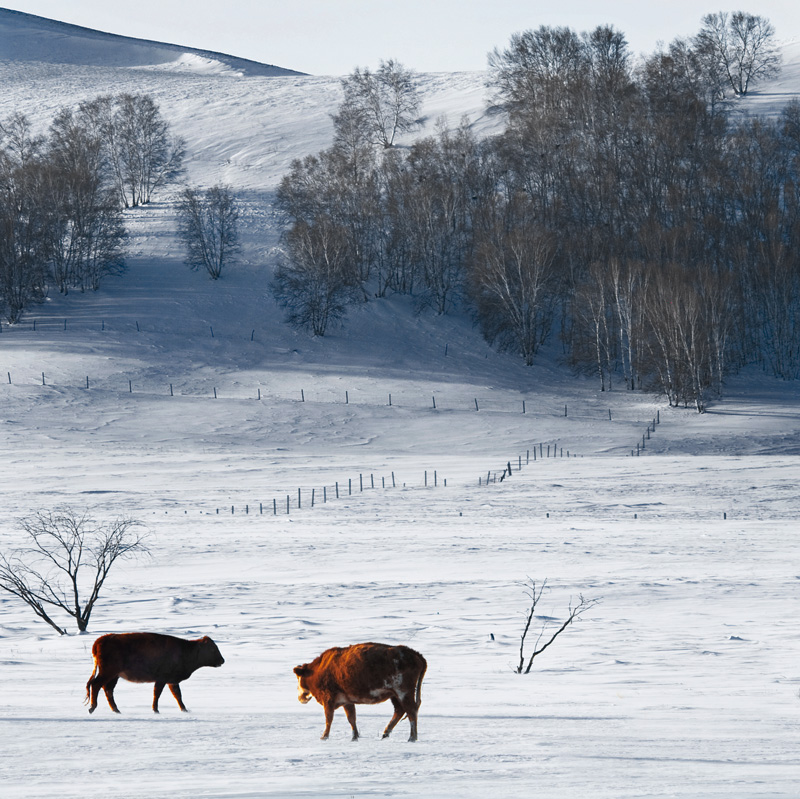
(624, 208)
(62, 193)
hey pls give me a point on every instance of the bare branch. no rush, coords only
(574, 613)
(48, 572)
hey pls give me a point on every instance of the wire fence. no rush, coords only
(267, 391)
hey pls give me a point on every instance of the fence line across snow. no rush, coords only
(529, 406)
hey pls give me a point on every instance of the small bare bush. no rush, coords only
(547, 634)
(66, 561)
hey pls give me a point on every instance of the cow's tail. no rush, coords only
(418, 687)
(89, 684)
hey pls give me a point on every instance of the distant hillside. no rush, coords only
(26, 37)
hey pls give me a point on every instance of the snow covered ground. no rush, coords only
(683, 681)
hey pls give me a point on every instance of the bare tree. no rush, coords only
(387, 100)
(62, 545)
(311, 284)
(541, 69)
(574, 613)
(208, 227)
(512, 282)
(142, 152)
(86, 233)
(23, 250)
(743, 45)
(441, 168)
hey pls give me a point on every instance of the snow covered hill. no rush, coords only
(27, 38)
(190, 405)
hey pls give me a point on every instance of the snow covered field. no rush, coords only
(683, 681)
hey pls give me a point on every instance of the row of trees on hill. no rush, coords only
(62, 194)
(623, 206)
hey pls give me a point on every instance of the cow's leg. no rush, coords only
(350, 712)
(412, 718)
(329, 708)
(93, 690)
(157, 689)
(108, 688)
(411, 708)
(398, 714)
(176, 692)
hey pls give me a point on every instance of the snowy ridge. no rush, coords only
(26, 37)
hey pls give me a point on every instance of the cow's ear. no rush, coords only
(302, 671)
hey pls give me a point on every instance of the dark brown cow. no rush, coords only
(147, 657)
(364, 674)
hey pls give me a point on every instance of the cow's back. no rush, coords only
(358, 668)
(143, 657)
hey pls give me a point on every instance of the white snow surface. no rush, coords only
(683, 681)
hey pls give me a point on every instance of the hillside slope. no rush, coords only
(27, 38)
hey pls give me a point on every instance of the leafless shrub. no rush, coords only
(62, 546)
(575, 611)
(208, 225)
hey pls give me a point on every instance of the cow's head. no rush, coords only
(211, 654)
(303, 693)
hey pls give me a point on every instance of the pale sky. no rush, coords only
(331, 37)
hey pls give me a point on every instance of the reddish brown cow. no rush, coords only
(364, 674)
(147, 657)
